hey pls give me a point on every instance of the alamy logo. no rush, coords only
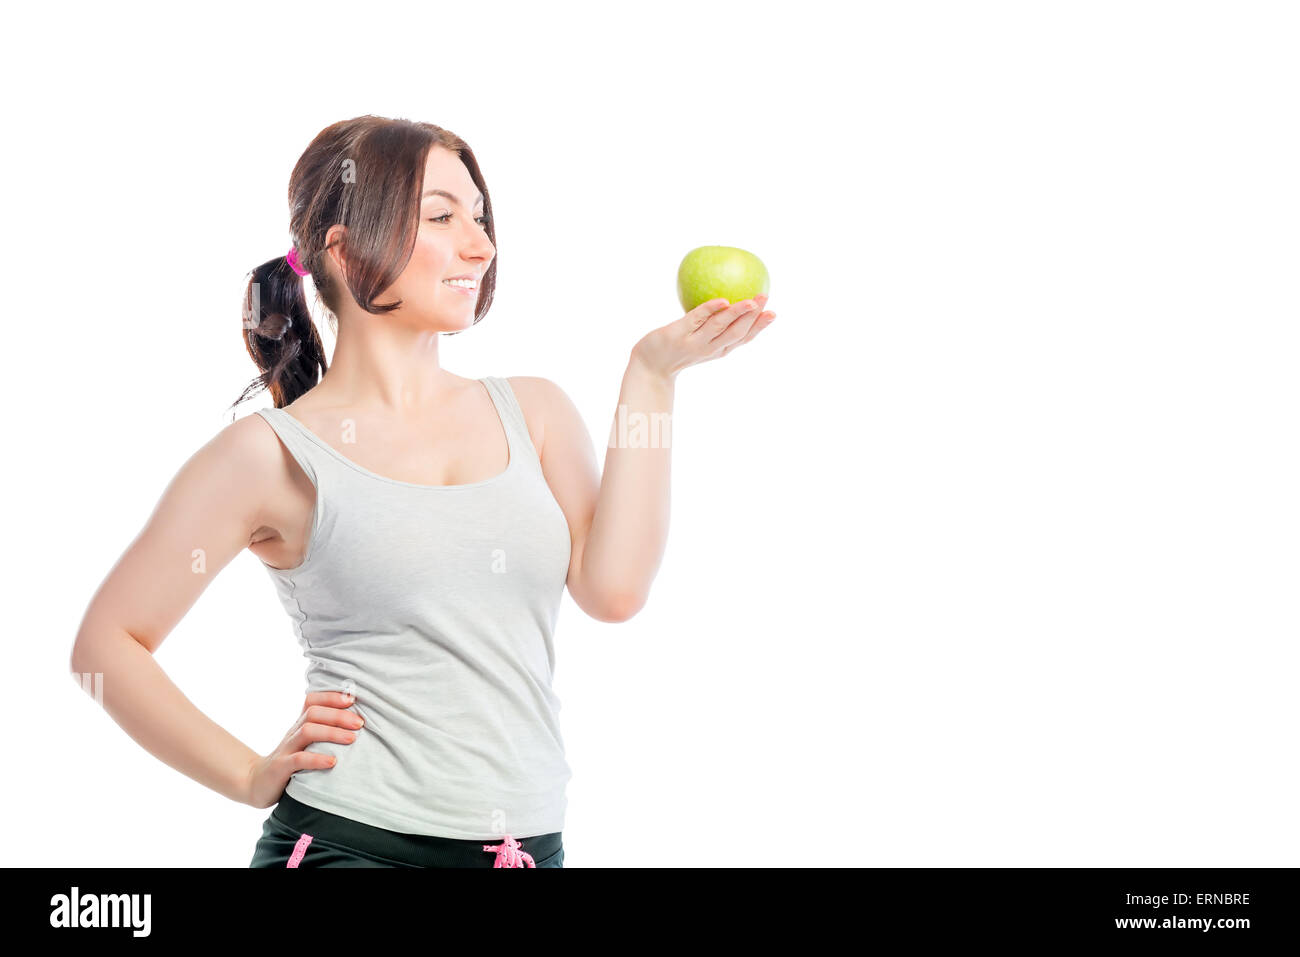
(91, 682)
(101, 910)
(638, 430)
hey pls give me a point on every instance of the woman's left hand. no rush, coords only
(710, 330)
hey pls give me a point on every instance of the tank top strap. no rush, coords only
(306, 451)
(512, 415)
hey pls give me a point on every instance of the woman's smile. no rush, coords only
(471, 292)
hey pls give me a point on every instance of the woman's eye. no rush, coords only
(445, 216)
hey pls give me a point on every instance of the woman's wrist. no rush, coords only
(640, 366)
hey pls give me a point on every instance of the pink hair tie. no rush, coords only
(292, 257)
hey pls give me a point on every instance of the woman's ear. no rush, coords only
(336, 246)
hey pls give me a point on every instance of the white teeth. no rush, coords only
(463, 283)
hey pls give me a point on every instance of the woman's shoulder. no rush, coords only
(254, 449)
(538, 390)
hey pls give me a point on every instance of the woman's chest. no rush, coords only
(399, 553)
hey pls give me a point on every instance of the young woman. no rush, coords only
(419, 527)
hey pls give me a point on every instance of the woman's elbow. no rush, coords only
(610, 609)
(622, 607)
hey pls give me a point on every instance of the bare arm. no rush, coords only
(629, 524)
(206, 516)
(618, 521)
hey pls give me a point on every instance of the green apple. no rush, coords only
(720, 272)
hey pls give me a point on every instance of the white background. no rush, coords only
(983, 554)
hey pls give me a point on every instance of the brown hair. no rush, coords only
(365, 174)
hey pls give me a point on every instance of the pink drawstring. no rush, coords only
(510, 853)
(299, 850)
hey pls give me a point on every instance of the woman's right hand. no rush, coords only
(324, 718)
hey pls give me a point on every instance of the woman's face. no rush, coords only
(451, 241)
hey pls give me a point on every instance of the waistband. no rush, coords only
(418, 850)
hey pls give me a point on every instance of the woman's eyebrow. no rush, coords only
(443, 192)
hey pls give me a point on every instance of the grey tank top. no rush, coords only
(436, 606)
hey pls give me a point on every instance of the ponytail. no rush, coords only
(280, 335)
